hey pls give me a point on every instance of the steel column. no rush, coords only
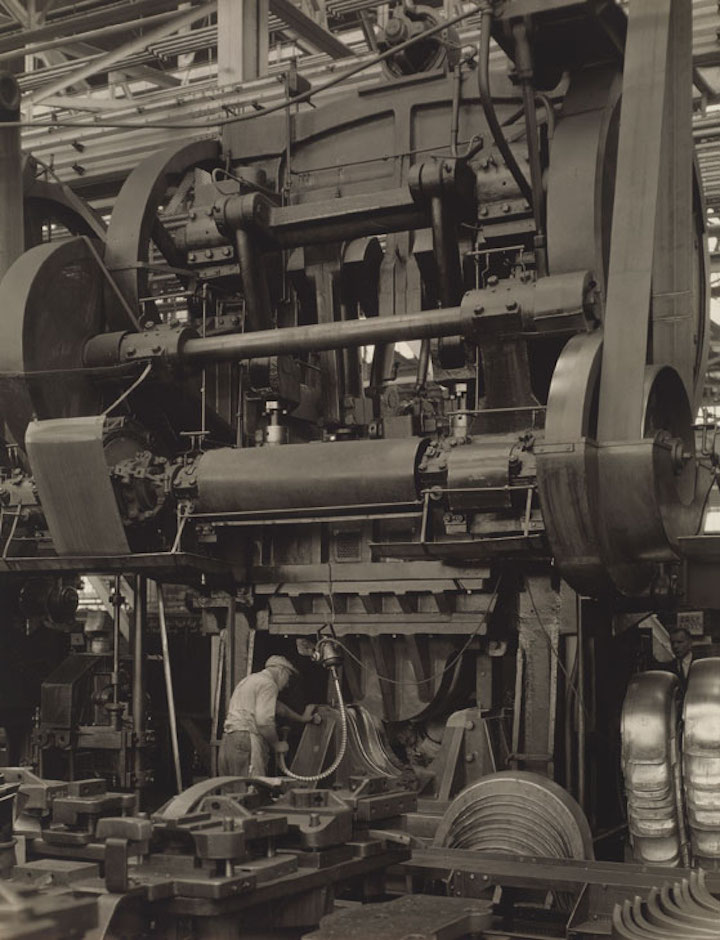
(138, 687)
(11, 188)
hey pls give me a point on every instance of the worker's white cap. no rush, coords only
(282, 662)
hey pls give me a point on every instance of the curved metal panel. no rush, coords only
(701, 760)
(651, 767)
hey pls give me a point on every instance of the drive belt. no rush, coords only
(68, 463)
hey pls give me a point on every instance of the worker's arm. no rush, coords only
(284, 711)
(265, 703)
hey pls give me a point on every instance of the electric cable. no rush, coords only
(450, 664)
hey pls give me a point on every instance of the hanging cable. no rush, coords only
(313, 778)
(452, 662)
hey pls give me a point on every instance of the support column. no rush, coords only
(544, 615)
(138, 689)
(239, 649)
(12, 238)
(242, 40)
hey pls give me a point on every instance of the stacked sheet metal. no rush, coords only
(651, 767)
(701, 761)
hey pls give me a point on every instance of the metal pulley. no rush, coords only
(432, 53)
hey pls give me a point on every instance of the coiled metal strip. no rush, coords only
(516, 813)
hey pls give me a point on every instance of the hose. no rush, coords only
(341, 750)
(489, 108)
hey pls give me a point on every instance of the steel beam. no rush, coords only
(242, 40)
(64, 25)
(11, 174)
(104, 62)
(310, 30)
(62, 41)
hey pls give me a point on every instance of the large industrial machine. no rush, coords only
(404, 387)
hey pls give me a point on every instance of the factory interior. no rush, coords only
(359, 469)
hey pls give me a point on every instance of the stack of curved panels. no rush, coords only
(701, 761)
(683, 911)
(516, 813)
(651, 767)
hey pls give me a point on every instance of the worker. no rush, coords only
(681, 646)
(250, 731)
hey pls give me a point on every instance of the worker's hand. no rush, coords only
(282, 747)
(307, 715)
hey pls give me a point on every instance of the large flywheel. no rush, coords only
(618, 475)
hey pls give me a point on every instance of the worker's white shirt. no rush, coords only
(686, 663)
(252, 705)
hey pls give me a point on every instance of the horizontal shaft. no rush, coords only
(322, 336)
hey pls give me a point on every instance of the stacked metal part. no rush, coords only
(651, 768)
(685, 909)
(516, 813)
(701, 761)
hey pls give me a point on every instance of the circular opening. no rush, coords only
(9, 92)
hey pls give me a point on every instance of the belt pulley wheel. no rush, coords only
(52, 304)
(516, 813)
(137, 222)
(612, 511)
